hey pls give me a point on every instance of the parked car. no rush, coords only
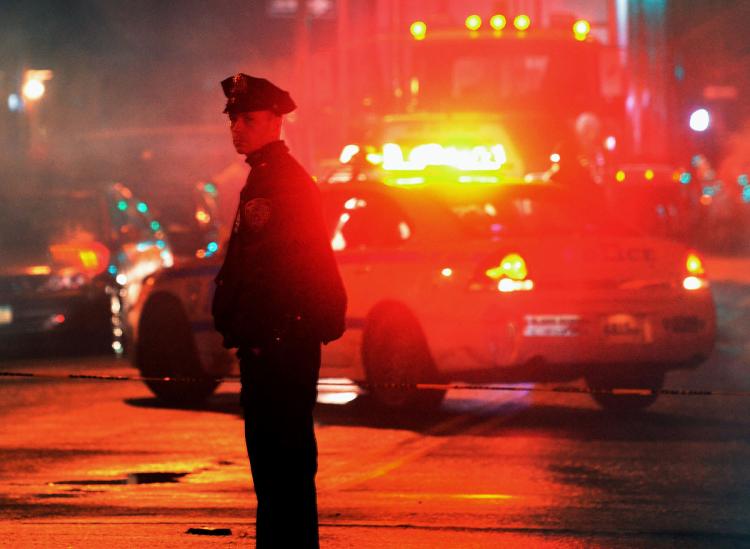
(72, 261)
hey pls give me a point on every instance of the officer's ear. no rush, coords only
(276, 121)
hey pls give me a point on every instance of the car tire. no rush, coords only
(395, 356)
(166, 348)
(638, 379)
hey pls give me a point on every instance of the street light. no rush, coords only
(700, 120)
(33, 84)
(33, 90)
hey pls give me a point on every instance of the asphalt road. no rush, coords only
(95, 463)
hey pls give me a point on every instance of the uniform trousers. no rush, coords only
(279, 390)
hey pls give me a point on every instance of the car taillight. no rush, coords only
(511, 275)
(695, 277)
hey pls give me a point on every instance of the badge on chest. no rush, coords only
(256, 213)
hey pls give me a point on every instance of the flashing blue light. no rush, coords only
(122, 205)
(746, 195)
(212, 247)
(142, 207)
(210, 188)
(161, 244)
(679, 72)
(685, 178)
(112, 269)
(709, 191)
(155, 225)
(743, 180)
(143, 246)
(696, 160)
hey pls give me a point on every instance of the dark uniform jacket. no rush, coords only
(279, 274)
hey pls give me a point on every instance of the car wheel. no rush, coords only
(166, 348)
(637, 379)
(396, 357)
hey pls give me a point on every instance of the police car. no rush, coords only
(465, 278)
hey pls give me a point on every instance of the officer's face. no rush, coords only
(252, 130)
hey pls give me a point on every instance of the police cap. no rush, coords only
(247, 93)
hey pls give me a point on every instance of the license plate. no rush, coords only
(6, 314)
(624, 328)
(551, 325)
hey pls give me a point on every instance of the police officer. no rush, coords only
(278, 297)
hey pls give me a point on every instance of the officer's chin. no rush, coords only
(242, 148)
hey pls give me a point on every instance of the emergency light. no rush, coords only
(478, 158)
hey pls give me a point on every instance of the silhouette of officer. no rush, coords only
(278, 296)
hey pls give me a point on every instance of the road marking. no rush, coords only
(420, 443)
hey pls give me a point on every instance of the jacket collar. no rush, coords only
(266, 152)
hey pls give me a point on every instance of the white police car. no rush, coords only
(502, 282)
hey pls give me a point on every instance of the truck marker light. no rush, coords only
(418, 30)
(447, 272)
(649, 174)
(522, 22)
(620, 176)
(581, 29)
(498, 22)
(473, 22)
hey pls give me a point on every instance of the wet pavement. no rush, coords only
(87, 463)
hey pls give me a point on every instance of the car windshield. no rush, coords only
(34, 223)
(529, 211)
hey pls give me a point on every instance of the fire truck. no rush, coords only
(559, 58)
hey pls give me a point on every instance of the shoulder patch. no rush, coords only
(256, 213)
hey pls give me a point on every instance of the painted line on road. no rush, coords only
(621, 391)
(420, 445)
